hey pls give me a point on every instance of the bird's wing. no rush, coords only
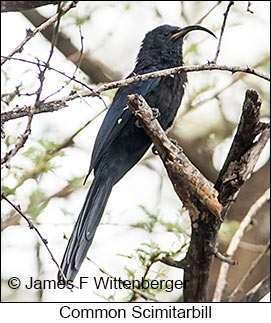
(118, 115)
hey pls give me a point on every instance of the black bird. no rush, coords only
(121, 143)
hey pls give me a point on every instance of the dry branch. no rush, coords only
(41, 76)
(31, 226)
(190, 185)
(62, 103)
(222, 31)
(201, 199)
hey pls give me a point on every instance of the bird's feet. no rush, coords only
(156, 113)
(137, 123)
(175, 143)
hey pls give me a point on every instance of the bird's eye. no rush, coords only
(166, 33)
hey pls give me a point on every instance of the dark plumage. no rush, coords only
(120, 143)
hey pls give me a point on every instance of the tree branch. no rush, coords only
(204, 234)
(222, 31)
(221, 281)
(41, 76)
(61, 103)
(202, 201)
(223, 258)
(190, 185)
(31, 226)
(174, 263)
(32, 33)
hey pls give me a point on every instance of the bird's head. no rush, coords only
(164, 44)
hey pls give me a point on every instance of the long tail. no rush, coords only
(85, 227)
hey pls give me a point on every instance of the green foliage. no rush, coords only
(150, 223)
(146, 255)
(228, 229)
(155, 220)
(36, 205)
(144, 262)
(39, 158)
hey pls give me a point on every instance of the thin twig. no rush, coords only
(31, 226)
(174, 263)
(239, 287)
(76, 68)
(67, 142)
(248, 7)
(222, 31)
(22, 140)
(43, 64)
(234, 80)
(10, 96)
(224, 258)
(31, 34)
(61, 103)
(221, 281)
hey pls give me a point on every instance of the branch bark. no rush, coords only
(198, 196)
(190, 185)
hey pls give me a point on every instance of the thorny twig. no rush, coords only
(31, 226)
(222, 31)
(248, 7)
(50, 68)
(32, 33)
(76, 68)
(22, 140)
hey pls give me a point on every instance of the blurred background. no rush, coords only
(144, 216)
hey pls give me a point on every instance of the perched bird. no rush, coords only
(121, 142)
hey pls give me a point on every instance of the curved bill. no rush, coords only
(182, 32)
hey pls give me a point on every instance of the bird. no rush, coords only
(121, 142)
